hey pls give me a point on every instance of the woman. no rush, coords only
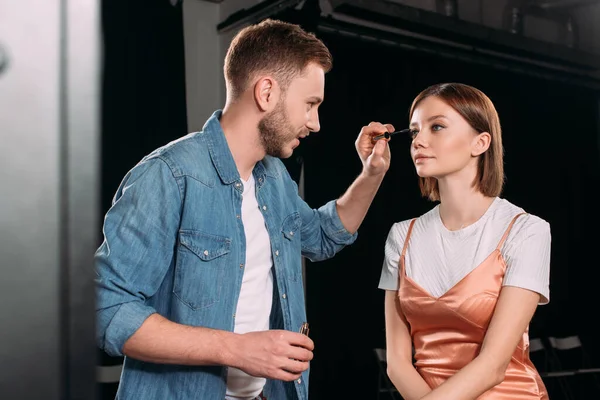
(463, 280)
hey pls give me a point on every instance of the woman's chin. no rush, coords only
(423, 173)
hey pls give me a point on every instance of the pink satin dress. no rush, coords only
(447, 331)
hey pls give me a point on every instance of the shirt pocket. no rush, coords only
(290, 229)
(200, 268)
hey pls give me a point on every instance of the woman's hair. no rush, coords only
(479, 111)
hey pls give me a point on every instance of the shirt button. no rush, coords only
(237, 184)
(265, 208)
(291, 233)
(283, 295)
(237, 216)
(233, 315)
(277, 252)
(205, 252)
(241, 265)
(299, 380)
(260, 179)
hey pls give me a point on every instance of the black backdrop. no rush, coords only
(143, 92)
(550, 134)
(143, 96)
(550, 137)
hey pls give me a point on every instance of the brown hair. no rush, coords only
(479, 111)
(272, 47)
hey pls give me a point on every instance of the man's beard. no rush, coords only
(275, 131)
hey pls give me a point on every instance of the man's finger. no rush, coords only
(297, 339)
(379, 147)
(300, 354)
(286, 376)
(374, 128)
(294, 366)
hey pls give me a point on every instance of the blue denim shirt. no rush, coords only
(174, 244)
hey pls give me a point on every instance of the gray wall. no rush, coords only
(48, 206)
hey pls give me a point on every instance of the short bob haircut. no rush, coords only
(479, 111)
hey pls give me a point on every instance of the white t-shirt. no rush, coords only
(256, 296)
(437, 258)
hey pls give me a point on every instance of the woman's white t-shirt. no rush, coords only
(437, 258)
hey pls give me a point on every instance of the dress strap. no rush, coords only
(410, 228)
(401, 260)
(508, 230)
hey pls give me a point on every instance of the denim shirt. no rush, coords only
(174, 245)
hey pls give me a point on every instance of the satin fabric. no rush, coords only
(447, 331)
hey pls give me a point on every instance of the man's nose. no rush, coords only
(313, 123)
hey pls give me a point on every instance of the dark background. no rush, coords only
(550, 134)
(551, 157)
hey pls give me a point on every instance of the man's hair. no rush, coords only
(275, 48)
(479, 111)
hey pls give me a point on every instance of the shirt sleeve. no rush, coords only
(389, 271)
(528, 259)
(323, 234)
(140, 231)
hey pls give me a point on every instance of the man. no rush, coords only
(199, 279)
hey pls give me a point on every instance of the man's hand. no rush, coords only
(375, 156)
(274, 354)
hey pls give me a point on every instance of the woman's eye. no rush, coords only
(436, 127)
(414, 133)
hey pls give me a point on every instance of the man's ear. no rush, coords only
(481, 143)
(266, 93)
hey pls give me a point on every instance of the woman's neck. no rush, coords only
(461, 204)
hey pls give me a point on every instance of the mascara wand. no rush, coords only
(388, 135)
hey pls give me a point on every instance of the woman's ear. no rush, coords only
(481, 143)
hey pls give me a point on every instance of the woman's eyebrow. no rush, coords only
(434, 117)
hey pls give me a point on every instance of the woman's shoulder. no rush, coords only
(525, 224)
(399, 229)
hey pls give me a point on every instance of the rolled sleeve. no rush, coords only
(332, 225)
(122, 324)
(323, 234)
(140, 232)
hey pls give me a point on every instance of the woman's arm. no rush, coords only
(513, 313)
(525, 282)
(400, 368)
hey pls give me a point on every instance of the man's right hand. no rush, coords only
(273, 354)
